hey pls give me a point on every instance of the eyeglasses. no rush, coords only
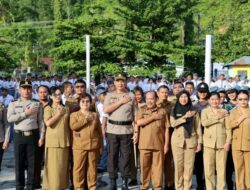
(80, 86)
(85, 101)
(57, 95)
(242, 99)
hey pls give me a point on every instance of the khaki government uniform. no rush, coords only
(172, 99)
(133, 168)
(184, 150)
(56, 164)
(87, 141)
(241, 149)
(216, 135)
(168, 163)
(151, 147)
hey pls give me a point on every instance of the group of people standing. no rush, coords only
(170, 133)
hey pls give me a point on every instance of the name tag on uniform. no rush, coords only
(77, 135)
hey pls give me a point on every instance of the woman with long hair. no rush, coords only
(186, 139)
(240, 125)
(216, 142)
(57, 143)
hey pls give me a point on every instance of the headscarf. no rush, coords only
(181, 110)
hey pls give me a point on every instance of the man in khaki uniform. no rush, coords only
(216, 142)
(120, 107)
(162, 102)
(152, 122)
(177, 87)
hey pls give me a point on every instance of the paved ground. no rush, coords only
(7, 175)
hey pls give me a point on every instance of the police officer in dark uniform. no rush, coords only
(119, 105)
(28, 134)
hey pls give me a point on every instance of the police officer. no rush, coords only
(153, 141)
(119, 105)
(29, 133)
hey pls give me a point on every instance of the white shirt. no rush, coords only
(221, 84)
(196, 82)
(131, 85)
(149, 87)
(100, 111)
(45, 83)
(6, 100)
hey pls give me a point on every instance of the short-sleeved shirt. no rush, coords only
(57, 135)
(16, 114)
(124, 113)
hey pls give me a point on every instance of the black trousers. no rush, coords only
(230, 170)
(1, 154)
(25, 150)
(199, 170)
(119, 151)
(38, 167)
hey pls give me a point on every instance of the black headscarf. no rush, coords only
(181, 110)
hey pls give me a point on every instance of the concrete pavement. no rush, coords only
(7, 175)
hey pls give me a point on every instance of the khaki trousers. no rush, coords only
(184, 165)
(215, 159)
(151, 162)
(85, 160)
(242, 169)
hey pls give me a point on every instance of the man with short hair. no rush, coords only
(67, 91)
(162, 102)
(6, 98)
(27, 116)
(177, 87)
(152, 126)
(43, 92)
(119, 104)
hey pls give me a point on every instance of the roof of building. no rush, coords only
(243, 61)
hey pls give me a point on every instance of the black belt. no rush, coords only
(120, 122)
(26, 133)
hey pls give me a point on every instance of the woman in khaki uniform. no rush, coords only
(240, 125)
(87, 143)
(56, 118)
(216, 142)
(186, 139)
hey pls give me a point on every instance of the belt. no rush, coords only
(26, 133)
(120, 122)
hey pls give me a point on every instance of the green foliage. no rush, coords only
(122, 32)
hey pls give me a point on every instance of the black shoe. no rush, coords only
(169, 188)
(125, 184)
(133, 183)
(37, 186)
(113, 185)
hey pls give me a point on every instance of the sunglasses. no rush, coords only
(80, 86)
(242, 99)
